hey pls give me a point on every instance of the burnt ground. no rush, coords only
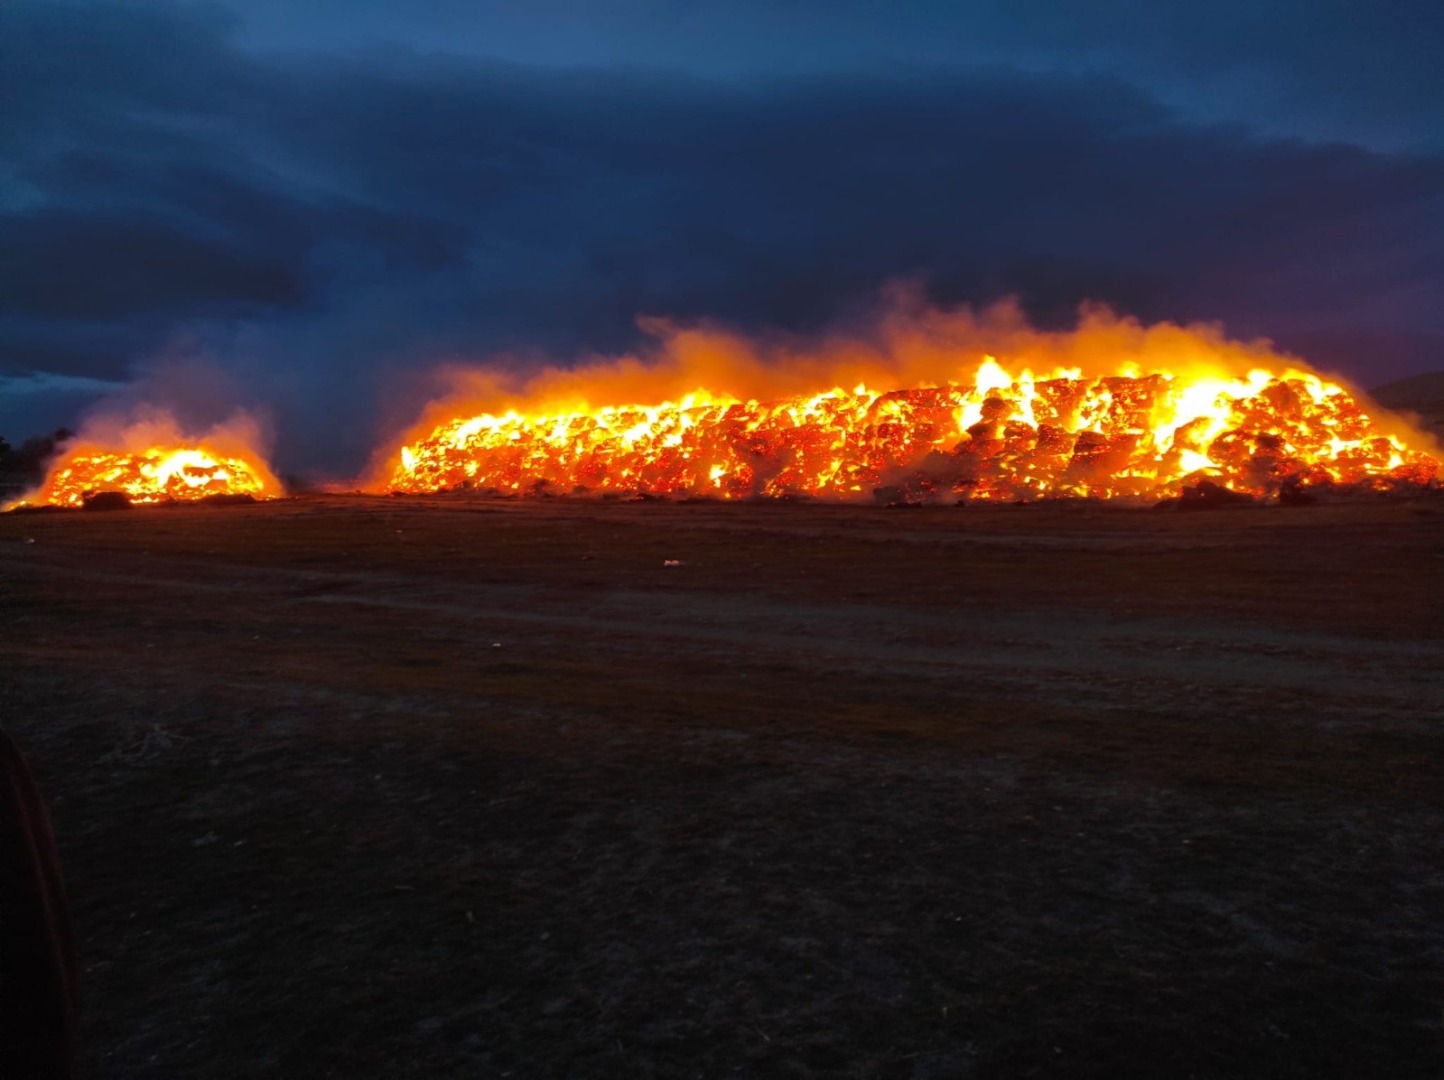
(351, 787)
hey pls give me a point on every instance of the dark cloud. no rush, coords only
(91, 265)
(1366, 71)
(324, 227)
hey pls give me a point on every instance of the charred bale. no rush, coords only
(1208, 495)
(105, 500)
(1293, 493)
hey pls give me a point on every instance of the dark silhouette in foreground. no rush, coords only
(37, 965)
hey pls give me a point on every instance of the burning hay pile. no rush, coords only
(1128, 436)
(152, 461)
(156, 474)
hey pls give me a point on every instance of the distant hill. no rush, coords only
(1421, 395)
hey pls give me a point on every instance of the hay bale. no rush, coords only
(1208, 495)
(106, 500)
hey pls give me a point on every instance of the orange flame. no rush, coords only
(1159, 408)
(151, 462)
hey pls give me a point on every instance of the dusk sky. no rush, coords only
(304, 203)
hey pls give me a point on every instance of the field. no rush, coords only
(361, 787)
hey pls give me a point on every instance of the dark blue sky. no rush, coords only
(318, 200)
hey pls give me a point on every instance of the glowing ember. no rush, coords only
(998, 436)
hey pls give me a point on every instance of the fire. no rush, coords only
(150, 462)
(156, 474)
(990, 431)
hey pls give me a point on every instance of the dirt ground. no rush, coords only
(360, 787)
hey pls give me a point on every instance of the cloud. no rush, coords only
(1346, 70)
(39, 403)
(326, 229)
(40, 383)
